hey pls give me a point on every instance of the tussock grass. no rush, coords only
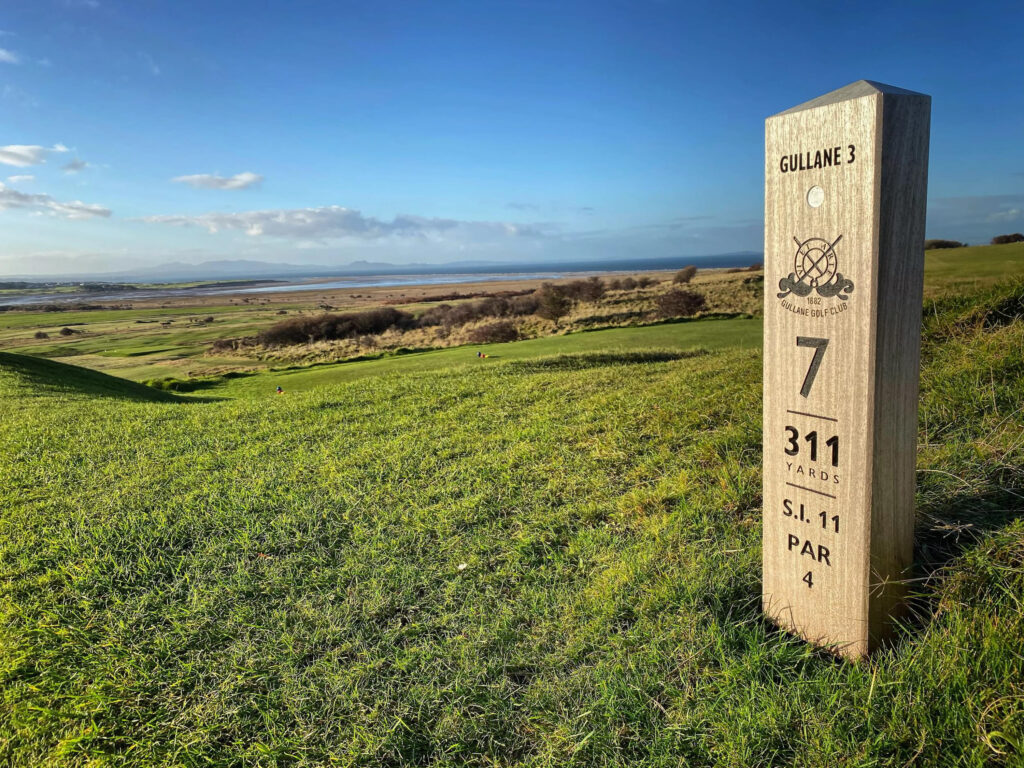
(546, 563)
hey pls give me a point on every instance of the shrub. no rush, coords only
(590, 289)
(495, 333)
(931, 245)
(303, 330)
(434, 316)
(1016, 237)
(525, 305)
(65, 331)
(680, 303)
(232, 345)
(42, 335)
(491, 306)
(645, 282)
(551, 302)
(685, 274)
(208, 319)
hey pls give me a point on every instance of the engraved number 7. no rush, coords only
(819, 352)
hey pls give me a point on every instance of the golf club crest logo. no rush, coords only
(816, 268)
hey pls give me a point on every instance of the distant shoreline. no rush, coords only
(292, 288)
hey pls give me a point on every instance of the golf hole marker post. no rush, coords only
(845, 192)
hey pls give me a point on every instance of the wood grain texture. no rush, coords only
(868, 230)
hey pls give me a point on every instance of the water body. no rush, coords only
(388, 281)
(444, 275)
(277, 286)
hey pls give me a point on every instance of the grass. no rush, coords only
(549, 557)
(954, 270)
(711, 334)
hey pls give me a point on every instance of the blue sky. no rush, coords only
(137, 132)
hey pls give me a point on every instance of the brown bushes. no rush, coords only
(590, 289)
(551, 302)
(233, 345)
(42, 335)
(450, 315)
(630, 283)
(495, 333)
(685, 275)
(1016, 237)
(680, 303)
(303, 330)
(931, 245)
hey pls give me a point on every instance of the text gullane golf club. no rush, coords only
(845, 193)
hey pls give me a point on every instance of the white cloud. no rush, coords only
(44, 204)
(9, 57)
(1011, 215)
(75, 166)
(26, 177)
(22, 155)
(211, 181)
(334, 221)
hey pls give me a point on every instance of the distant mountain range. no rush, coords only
(263, 270)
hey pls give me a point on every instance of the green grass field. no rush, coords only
(548, 557)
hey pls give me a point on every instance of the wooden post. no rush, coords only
(845, 191)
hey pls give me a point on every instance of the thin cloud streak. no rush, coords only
(75, 166)
(46, 205)
(212, 181)
(335, 221)
(24, 155)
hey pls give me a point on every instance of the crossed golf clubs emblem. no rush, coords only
(815, 268)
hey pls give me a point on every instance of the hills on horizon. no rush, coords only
(234, 269)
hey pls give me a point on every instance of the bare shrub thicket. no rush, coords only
(551, 302)
(455, 296)
(931, 245)
(303, 330)
(680, 303)
(590, 289)
(630, 283)
(685, 275)
(450, 315)
(42, 335)
(495, 333)
(1016, 237)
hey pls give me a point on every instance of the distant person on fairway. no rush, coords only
(280, 391)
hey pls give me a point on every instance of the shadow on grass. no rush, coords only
(946, 528)
(584, 360)
(171, 384)
(38, 376)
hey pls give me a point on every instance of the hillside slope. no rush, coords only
(25, 375)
